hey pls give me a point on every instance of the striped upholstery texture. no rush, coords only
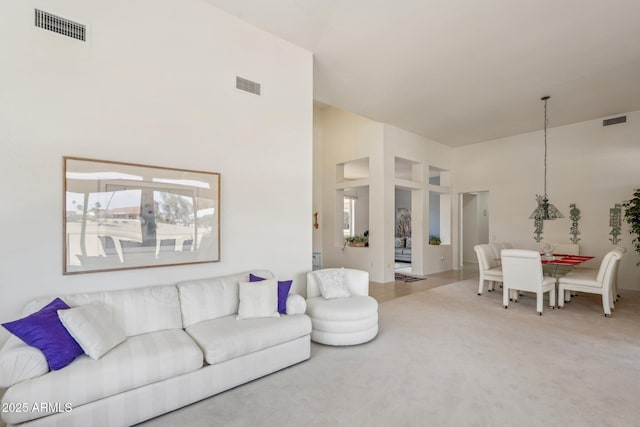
(160, 366)
(19, 361)
(211, 298)
(141, 310)
(139, 361)
(142, 403)
(227, 338)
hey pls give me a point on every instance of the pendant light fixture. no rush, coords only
(545, 210)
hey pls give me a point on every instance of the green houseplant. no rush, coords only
(434, 240)
(357, 241)
(632, 217)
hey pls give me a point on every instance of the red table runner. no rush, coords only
(566, 259)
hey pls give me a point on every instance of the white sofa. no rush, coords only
(183, 344)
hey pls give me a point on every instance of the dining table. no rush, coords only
(557, 265)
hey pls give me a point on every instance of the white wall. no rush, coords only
(475, 223)
(470, 226)
(434, 214)
(318, 172)
(588, 164)
(483, 217)
(340, 137)
(344, 137)
(406, 145)
(155, 85)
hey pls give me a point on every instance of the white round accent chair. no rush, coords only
(344, 320)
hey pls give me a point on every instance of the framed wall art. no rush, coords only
(119, 216)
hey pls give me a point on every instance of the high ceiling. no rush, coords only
(463, 71)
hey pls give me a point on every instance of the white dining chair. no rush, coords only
(594, 281)
(522, 271)
(567, 249)
(497, 247)
(614, 283)
(490, 270)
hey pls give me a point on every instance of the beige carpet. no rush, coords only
(447, 357)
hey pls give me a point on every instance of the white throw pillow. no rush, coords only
(258, 299)
(331, 283)
(93, 327)
(296, 304)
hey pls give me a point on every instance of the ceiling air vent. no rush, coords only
(59, 25)
(248, 86)
(614, 121)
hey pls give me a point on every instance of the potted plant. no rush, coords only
(632, 217)
(434, 240)
(358, 241)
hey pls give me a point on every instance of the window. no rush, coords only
(348, 228)
(351, 209)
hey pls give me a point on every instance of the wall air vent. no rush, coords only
(248, 86)
(614, 121)
(59, 25)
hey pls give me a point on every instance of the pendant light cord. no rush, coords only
(546, 121)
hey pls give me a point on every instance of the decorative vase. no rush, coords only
(547, 249)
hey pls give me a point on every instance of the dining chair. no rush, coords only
(522, 271)
(497, 247)
(594, 281)
(567, 248)
(614, 288)
(593, 272)
(488, 266)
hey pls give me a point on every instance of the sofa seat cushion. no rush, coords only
(138, 361)
(342, 309)
(226, 338)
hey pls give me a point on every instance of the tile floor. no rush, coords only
(388, 291)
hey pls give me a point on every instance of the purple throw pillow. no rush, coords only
(44, 330)
(283, 291)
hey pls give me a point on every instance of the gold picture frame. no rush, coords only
(120, 216)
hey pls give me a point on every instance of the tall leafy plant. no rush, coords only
(632, 217)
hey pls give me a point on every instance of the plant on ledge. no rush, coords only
(434, 240)
(357, 241)
(632, 217)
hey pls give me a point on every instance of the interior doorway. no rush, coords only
(474, 224)
(402, 242)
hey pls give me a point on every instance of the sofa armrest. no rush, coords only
(296, 304)
(4, 336)
(19, 362)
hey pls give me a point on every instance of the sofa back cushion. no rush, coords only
(214, 297)
(138, 311)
